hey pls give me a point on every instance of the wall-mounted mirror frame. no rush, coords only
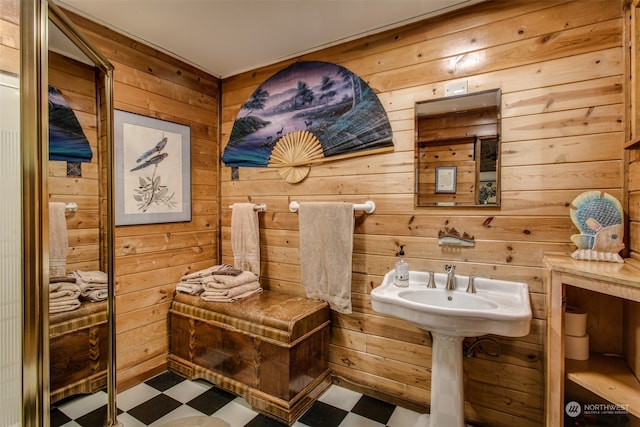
(457, 147)
(37, 17)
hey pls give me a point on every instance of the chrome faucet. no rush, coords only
(451, 276)
(471, 287)
(432, 283)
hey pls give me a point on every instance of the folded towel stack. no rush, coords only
(64, 294)
(192, 283)
(93, 284)
(222, 288)
(221, 283)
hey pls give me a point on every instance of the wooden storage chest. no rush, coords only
(78, 350)
(270, 348)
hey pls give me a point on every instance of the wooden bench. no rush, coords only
(270, 348)
(78, 350)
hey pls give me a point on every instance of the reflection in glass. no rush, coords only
(82, 339)
(458, 138)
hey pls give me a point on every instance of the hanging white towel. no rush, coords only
(58, 240)
(326, 246)
(245, 237)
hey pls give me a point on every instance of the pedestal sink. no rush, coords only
(497, 307)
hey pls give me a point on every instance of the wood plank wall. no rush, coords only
(10, 40)
(633, 181)
(431, 155)
(634, 203)
(150, 259)
(561, 68)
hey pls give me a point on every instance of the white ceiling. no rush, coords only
(227, 37)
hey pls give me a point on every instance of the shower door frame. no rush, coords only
(34, 21)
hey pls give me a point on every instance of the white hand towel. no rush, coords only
(189, 288)
(88, 287)
(58, 239)
(226, 282)
(231, 294)
(326, 246)
(63, 291)
(95, 277)
(95, 295)
(197, 275)
(245, 237)
(64, 304)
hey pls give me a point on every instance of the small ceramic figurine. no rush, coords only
(599, 218)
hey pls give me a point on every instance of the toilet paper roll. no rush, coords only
(576, 348)
(575, 322)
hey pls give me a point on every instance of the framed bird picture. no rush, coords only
(152, 170)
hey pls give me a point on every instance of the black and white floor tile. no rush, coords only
(167, 397)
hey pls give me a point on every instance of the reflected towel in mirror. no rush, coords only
(58, 240)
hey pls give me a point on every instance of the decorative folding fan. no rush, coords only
(67, 141)
(308, 113)
(598, 216)
(294, 153)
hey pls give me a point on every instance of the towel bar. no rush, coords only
(368, 206)
(71, 207)
(262, 207)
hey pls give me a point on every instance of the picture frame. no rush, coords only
(446, 179)
(487, 192)
(152, 170)
(487, 188)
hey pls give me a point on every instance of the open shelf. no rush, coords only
(632, 144)
(609, 378)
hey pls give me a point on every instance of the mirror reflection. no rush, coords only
(78, 331)
(457, 150)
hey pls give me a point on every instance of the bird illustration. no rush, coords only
(159, 146)
(152, 161)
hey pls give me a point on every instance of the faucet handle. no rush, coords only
(449, 268)
(432, 281)
(471, 287)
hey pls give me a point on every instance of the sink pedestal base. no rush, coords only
(447, 395)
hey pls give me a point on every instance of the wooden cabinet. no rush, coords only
(78, 350)
(270, 348)
(608, 377)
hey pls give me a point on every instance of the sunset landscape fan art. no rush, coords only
(308, 113)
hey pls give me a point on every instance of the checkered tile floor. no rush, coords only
(168, 396)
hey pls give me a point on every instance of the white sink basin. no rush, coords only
(436, 299)
(498, 307)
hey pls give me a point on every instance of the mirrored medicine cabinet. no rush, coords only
(457, 147)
